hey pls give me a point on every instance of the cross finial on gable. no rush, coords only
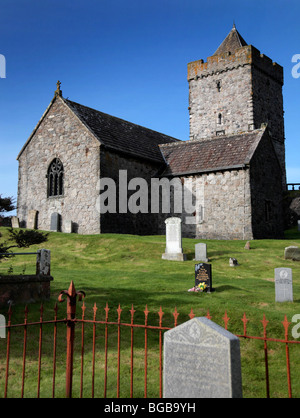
(58, 91)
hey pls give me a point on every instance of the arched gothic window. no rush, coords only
(56, 178)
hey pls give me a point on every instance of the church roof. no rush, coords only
(217, 154)
(231, 43)
(120, 135)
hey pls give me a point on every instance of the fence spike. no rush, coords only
(191, 314)
(160, 314)
(106, 311)
(119, 310)
(245, 320)
(146, 312)
(175, 314)
(226, 319)
(286, 325)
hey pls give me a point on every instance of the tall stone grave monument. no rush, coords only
(283, 285)
(173, 249)
(201, 360)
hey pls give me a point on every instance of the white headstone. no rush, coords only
(173, 249)
(201, 360)
(283, 285)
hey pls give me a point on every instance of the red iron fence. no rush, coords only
(71, 321)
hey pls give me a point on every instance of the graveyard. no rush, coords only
(129, 270)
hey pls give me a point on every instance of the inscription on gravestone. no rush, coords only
(283, 285)
(201, 360)
(203, 275)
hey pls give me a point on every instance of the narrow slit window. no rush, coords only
(220, 119)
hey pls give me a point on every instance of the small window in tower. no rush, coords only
(219, 85)
(55, 178)
(219, 119)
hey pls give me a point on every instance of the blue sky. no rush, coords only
(129, 58)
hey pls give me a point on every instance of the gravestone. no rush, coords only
(247, 245)
(173, 249)
(32, 219)
(68, 227)
(55, 222)
(15, 222)
(203, 275)
(201, 252)
(283, 285)
(43, 262)
(292, 253)
(201, 360)
(298, 225)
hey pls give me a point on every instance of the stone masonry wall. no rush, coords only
(237, 92)
(128, 223)
(266, 193)
(61, 135)
(224, 206)
(232, 103)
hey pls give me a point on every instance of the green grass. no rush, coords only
(126, 270)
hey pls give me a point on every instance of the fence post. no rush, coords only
(71, 317)
(43, 262)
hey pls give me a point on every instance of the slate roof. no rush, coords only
(211, 155)
(121, 135)
(231, 43)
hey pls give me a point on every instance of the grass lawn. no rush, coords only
(126, 270)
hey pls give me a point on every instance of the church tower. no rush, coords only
(237, 90)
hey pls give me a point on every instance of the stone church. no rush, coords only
(236, 152)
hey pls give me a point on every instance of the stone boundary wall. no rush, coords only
(24, 289)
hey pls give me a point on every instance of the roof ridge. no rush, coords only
(123, 120)
(211, 139)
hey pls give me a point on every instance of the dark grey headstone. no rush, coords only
(201, 360)
(55, 222)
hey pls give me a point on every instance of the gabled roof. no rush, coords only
(122, 135)
(231, 43)
(217, 154)
(114, 133)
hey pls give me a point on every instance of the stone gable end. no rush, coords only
(60, 134)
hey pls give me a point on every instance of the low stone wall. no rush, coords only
(24, 289)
